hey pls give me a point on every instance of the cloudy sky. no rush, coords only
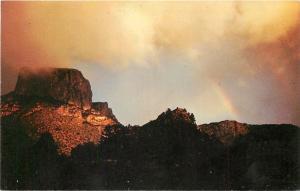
(219, 60)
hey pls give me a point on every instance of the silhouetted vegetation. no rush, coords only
(27, 163)
(266, 158)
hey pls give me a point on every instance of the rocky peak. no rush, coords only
(226, 131)
(57, 101)
(60, 84)
(177, 115)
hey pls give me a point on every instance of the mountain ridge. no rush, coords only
(27, 101)
(69, 143)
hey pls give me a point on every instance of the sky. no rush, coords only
(219, 60)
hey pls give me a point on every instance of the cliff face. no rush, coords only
(59, 102)
(64, 85)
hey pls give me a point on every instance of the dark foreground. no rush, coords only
(167, 153)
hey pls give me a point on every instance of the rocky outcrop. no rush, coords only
(57, 101)
(225, 131)
(59, 84)
(101, 108)
(69, 125)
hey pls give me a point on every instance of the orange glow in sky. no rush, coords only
(240, 59)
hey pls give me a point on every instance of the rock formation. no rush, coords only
(225, 131)
(101, 108)
(57, 101)
(63, 84)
